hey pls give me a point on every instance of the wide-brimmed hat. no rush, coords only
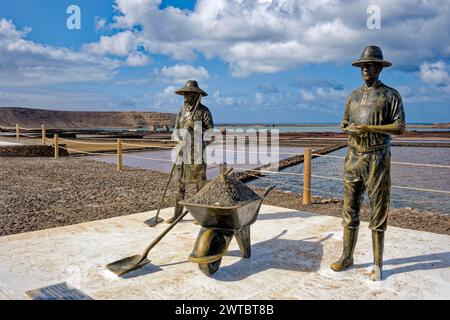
(191, 86)
(371, 54)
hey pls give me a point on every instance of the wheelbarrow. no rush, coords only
(218, 226)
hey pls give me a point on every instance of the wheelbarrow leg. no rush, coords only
(243, 240)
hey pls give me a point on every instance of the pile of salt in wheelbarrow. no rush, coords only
(225, 207)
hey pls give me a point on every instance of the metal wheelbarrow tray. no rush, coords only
(219, 225)
(227, 218)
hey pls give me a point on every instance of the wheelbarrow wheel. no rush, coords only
(210, 268)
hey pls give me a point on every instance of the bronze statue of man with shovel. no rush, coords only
(372, 113)
(192, 121)
(189, 167)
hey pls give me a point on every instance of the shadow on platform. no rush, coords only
(416, 263)
(285, 254)
(150, 268)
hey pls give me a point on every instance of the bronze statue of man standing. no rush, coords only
(192, 121)
(372, 113)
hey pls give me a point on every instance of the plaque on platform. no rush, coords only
(60, 291)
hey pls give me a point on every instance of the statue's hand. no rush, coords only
(353, 129)
(363, 128)
(344, 125)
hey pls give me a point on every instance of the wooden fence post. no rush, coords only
(17, 132)
(43, 135)
(119, 155)
(307, 176)
(56, 146)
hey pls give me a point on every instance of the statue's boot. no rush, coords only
(177, 212)
(378, 245)
(349, 243)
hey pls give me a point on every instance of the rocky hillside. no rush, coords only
(33, 118)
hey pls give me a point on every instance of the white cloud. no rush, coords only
(133, 11)
(120, 44)
(331, 94)
(137, 59)
(169, 90)
(100, 23)
(25, 63)
(290, 105)
(259, 98)
(273, 35)
(435, 73)
(179, 74)
(307, 95)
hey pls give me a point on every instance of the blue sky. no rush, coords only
(260, 60)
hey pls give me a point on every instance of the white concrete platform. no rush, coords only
(292, 252)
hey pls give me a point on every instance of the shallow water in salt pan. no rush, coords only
(402, 175)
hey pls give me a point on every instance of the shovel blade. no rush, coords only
(127, 264)
(153, 221)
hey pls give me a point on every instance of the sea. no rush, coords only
(317, 127)
(297, 127)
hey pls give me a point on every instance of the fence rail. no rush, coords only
(118, 147)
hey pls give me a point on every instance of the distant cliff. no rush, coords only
(33, 118)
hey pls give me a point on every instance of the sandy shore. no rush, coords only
(40, 193)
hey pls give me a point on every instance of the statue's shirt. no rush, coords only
(375, 105)
(186, 118)
(202, 114)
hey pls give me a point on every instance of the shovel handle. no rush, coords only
(165, 188)
(158, 239)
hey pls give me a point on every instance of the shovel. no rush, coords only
(135, 262)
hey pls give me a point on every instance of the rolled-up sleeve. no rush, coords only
(397, 113)
(208, 120)
(346, 119)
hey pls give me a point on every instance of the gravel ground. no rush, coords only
(40, 193)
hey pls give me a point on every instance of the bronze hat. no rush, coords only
(371, 54)
(191, 86)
